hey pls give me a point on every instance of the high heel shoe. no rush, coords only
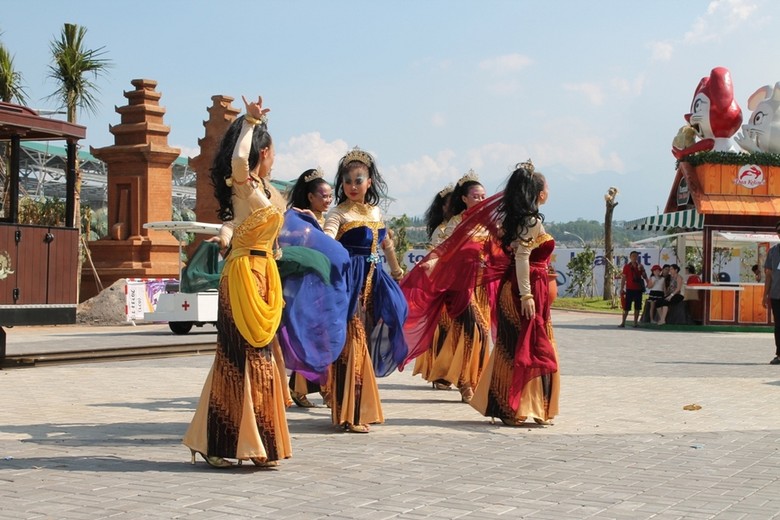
(513, 421)
(466, 394)
(214, 462)
(260, 463)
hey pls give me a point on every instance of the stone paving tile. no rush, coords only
(106, 437)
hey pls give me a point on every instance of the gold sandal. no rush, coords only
(301, 400)
(543, 422)
(260, 463)
(514, 421)
(356, 428)
(466, 394)
(214, 462)
(326, 398)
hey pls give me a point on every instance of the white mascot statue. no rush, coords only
(762, 131)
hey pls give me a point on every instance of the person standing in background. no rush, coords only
(632, 286)
(772, 291)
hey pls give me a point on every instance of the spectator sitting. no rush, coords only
(673, 293)
(756, 272)
(657, 286)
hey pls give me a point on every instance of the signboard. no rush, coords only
(562, 256)
(750, 176)
(141, 296)
(683, 193)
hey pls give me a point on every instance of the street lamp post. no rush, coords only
(576, 236)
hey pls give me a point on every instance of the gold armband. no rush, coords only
(255, 121)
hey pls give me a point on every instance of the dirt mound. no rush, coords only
(106, 308)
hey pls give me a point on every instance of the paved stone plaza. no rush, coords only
(102, 440)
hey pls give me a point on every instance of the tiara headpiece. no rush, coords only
(447, 190)
(316, 174)
(528, 166)
(470, 176)
(356, 154)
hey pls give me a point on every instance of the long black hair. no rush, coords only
(519, 208)
(437, 212)
(299, 195)
(222, 169)
(457, 206)
(347, 165)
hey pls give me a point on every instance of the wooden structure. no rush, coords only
(739, 200)
(38, 264)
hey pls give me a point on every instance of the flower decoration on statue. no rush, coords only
(469, 176)
(316, 174)
(356, 154)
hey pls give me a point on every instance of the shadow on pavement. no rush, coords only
(158, 405)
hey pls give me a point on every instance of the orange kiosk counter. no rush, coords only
(729, 200)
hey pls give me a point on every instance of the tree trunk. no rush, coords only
(609, 267)
(71, 108)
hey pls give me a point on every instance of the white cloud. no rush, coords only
(504, 87)
(414, 184)
(187, 151)
(592, 91)
(722, 17)
(740, 9)
(305, 151)
(506, 63)
(661, 51)
(567, 145)
(628, 87)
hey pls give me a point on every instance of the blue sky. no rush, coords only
(592, 92)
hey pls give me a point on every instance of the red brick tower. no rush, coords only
(139, 191)
(221, 115)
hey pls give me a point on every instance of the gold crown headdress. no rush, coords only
(356, 154)
(470, 176)
(316, 174)
(528, 166)
(447, 190)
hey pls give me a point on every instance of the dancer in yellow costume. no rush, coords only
(437, 216)
(241, 413)
(464, 348)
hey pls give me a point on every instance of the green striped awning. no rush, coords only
(687, 220)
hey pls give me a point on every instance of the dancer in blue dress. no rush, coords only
(375, 343)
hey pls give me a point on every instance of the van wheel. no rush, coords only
(180, 327)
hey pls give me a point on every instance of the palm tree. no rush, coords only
(11, 90)
(74, 68)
